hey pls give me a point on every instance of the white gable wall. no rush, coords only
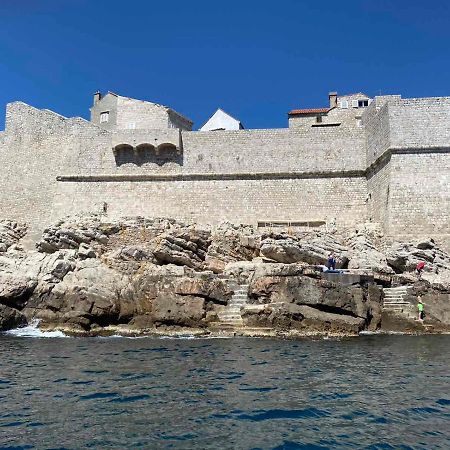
(220, 120)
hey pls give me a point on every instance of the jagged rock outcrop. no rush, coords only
(10, 233)
(302, 318)
(315, 304)
(183, 248)
(70, 233)
(364, 255)
(88, 273)
(10, 318)
(229, 244)
(311, 248)
(404, 257)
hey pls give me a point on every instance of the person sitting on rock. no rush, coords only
(420, 307)
(419, 268)
(331, 263)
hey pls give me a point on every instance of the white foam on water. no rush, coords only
(181, 336)
(170, 337)
(380, 333)
(32, 330)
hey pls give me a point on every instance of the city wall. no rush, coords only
(393, 169)
(213, 201)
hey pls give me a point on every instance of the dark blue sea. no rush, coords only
(371, 392)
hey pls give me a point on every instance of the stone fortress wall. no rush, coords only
(387, 162)
(408, 157)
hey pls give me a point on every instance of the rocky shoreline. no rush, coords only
(91, 275)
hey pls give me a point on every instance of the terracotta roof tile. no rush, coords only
(296, 112)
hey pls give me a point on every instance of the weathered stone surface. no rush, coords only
(10, 233)
(188, 311)
(89, 294)
(301, 290)
(309, 248)
(156, 273)
(213, 289)
(364, 255)
(15, 289)
(84, 251)
(10, 318)
(230, 244)
(285, 317)
(404, 257)
(71, 232)
(181, 247)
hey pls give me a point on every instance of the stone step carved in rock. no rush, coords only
(231, 315)
(394, 301)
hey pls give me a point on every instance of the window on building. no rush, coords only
(344, 104)
(363, 103)
(104, 116)
(318, 119)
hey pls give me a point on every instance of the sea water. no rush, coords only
(371, 392)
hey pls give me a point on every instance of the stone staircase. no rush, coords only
(231, 317)
(394, 300)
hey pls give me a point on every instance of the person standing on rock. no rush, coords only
(419, 268)
(331, 264)
(420, 307)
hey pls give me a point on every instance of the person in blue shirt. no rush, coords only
(331, 263)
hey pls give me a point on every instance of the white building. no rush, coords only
(221, 120)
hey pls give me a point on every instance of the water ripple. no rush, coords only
(225, 393)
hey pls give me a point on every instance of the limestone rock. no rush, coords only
(301, 290)
(10, 233)
(89, 294)
(285, 316)
(91, 274)
(364, 255)
(84, 251)
(185, 311)
(230, 244)
(183, 247)
(214, 289)
(404, 257)
(10, 318)
(312, 248)
(71, 232)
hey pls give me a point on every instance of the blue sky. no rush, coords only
(255, 59)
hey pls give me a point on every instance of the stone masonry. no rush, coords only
(384, 160)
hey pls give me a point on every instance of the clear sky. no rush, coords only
(255, 59)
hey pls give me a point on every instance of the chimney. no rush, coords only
(97, 97)
(332, 97)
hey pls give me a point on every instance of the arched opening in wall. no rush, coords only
(145, 147)
(144, 153)
(166, 148)
(167, 152)
(123, 153)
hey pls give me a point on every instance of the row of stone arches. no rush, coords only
(146, 147)
(147, 153)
